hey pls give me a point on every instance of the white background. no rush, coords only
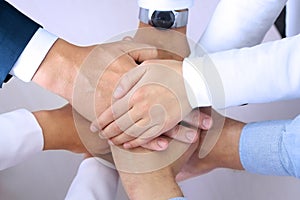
(48, 175)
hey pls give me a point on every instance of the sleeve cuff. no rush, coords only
(260, 148)
(165, 4)
(21, 137)
(33, 55)
(195, 84)
(93, 181)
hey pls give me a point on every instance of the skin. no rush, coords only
(225, 153)
(141, 186)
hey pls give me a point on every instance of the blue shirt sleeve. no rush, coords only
(271, 147)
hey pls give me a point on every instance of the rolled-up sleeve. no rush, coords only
(271, 148)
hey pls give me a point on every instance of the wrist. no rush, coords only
(60, 67)
(141, 186)
(59, 130)
(225, 153)
(180, 29)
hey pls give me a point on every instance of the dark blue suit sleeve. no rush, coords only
(16, 30)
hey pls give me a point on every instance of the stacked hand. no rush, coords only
(151, 101)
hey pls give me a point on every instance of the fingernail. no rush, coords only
(110, 142)
(94, 129)
(102, 136)
(162, 143)
(126, 146)
(190, 135)
(118, 92)
(206, 122)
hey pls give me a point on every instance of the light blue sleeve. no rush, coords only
(271, 147)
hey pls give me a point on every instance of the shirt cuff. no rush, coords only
(93, 181)
(195, 84)
(165, 5)
(260, 148)
(21, 137)
(33, 55)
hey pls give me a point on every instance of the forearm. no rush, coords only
(59, 130)
(60, 67)
(264, 73)
(248, 24)
(225, 153)
(141, 186)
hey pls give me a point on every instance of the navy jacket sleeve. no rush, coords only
(16, 30)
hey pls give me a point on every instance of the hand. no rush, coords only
(225, 153)
(86, 76)
(187, 131)
(151, 100)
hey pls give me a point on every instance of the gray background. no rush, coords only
(49, 174)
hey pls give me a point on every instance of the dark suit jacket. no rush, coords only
(16, 31)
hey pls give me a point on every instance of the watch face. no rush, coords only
(163, 19)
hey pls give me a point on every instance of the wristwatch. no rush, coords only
(164, 19)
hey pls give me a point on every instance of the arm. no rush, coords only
(268, 148)
(139, 185)
(45, 130)
(264, 73)
(42, 130)
(94, 180)
(273, 146)
(246, 24)
(56, 65)
(13, 39)
(167, 40)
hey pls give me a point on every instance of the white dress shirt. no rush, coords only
(22, 137)
(259, 74)
(33, 55)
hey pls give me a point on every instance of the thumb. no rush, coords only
(138, 51)
(128, 80)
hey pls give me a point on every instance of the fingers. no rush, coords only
(199, 120)
(157, 144)
(136, 136)
(183, 134)
(128, 80)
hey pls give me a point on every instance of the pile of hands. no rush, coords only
(139, 96)
(129, 98)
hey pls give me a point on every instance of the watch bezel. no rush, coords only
(181, 17)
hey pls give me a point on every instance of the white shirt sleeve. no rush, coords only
(165, 4)
(94, 180)
(264, 73)
(21, 136)
(237, 23)
(292, 18)
(33, 55)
